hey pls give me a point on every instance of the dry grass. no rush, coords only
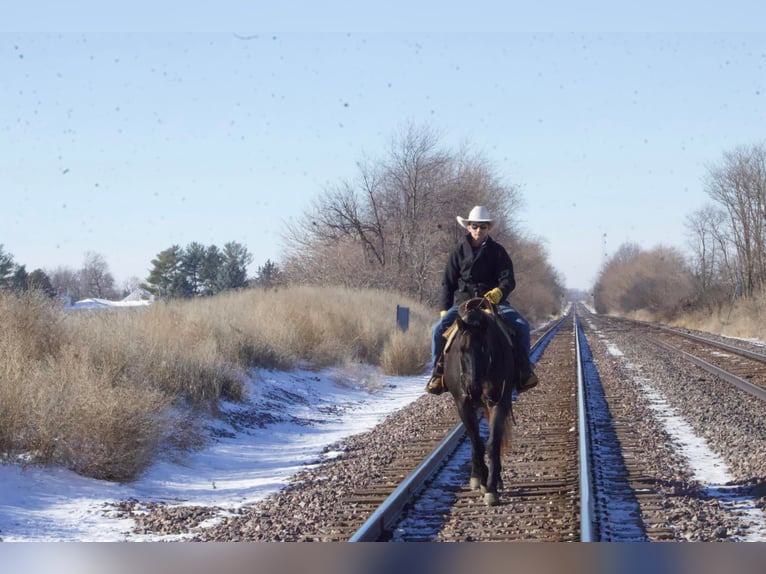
(403, 353)
(102, 391)
(745, 319)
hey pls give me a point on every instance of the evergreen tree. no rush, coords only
(19, 279)
(193, 263)
(198, 270)
(39, 280)
(6, 268)
(268, 275)
(167, 277)
(233, 271)
(210, 270)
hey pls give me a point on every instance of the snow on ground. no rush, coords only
(708, 468)
(138, 298)
(287, 422)
(106, 304)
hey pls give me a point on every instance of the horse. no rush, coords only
(480, 372)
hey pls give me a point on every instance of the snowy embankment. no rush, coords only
(287, 421)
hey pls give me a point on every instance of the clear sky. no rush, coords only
(125, 131)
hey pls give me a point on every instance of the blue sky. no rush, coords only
(125, 132)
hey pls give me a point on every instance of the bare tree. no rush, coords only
(738, 185)
(713, 260)
(66, 283)
(392, 226)
(130, 285)
(612, 281)
(539, 287)
(95, 278)
(414, 179)
(655, 281)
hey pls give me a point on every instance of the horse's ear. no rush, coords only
(460, 322)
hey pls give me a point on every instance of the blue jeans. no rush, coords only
(510, 315)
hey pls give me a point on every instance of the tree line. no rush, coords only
(391, 226)
(198, 270)
(727, 256)
(91, 280)
(195, 270)
(15, 277)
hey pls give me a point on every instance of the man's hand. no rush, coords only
(442, 313)
(494, 295)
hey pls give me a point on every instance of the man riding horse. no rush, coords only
(479, 267)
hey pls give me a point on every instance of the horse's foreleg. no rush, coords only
(497, 429)
(479, 469)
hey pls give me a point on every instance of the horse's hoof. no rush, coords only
(490, 499)
(475, 483)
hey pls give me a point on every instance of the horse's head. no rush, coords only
(470, 360)
(476, 364)
(473, 313)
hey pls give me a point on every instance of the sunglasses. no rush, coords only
(479, 226)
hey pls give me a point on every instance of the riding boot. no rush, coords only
(528, 381)
(528, 378)
(436, 384)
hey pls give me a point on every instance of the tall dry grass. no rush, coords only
(102, 391)
(743, 318)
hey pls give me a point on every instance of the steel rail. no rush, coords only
(385, 515)
(736, 350)
(587, 499)
(747, 386)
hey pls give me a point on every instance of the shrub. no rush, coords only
(102, 391)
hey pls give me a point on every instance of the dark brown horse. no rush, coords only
(480, 372)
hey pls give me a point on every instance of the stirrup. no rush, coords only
(528, 383)
(436, 385)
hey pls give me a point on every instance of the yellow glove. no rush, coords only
(442, 313)
(494, 295)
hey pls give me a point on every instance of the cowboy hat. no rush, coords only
(479, 214)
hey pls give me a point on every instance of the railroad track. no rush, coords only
(627, 482)
(538, 493)
(575, 483)
(741, 367)
(578, 487)
(744, 368)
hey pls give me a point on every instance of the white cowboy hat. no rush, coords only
(479, 214)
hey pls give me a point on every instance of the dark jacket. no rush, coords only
(468, 276)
